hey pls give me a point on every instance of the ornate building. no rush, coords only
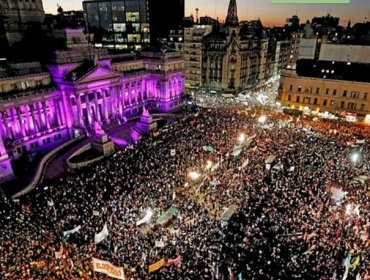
(231, 59)
(42, 108)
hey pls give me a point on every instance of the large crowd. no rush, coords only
(287, 223)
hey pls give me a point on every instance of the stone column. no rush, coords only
(88, 108)
(105, 105)
(28, 119)
(46, 115)
(79, 109)
(36, 129)
(15, 121)
(41, 124)
(57, 116)
(97, 111)
(4, 126)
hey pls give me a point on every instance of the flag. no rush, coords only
(355, 263)
(174, 261)
(99, 237)
(50, 203)
(159, 243)
(26, 208)
(108, 269)
(347, 263)
(157, 265)
(69, 232)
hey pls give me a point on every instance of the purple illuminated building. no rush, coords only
(42, 108)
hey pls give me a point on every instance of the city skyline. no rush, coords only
(270, 14)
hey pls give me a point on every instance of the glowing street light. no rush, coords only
(241, 138)
(194, 175)
(355, 157)
(262, 119)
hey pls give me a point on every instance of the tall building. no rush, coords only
(118, 24)
(16, 17)
(131, 24)
(336, 80)
(42, 108)
(193, 54)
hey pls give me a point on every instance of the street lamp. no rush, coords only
(241, 138)
(194, 175)
(262, 119)
(209, 164)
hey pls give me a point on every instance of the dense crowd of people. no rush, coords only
(287, 223)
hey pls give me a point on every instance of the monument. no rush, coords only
(101, 142)
(146, 123)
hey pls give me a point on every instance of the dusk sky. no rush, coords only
(270, 14)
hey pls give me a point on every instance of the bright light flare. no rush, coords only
(194, 175)
(262, 119)
(241, 138)
(209, 164)
(355, 157)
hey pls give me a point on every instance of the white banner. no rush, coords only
(108, 269)
(147, 217)
(99, 237)
(159, 244)
(68, 232)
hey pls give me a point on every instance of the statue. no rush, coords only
(98, 129)
(145, 112)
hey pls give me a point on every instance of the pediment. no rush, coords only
(98, 73)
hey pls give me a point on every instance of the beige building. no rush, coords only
(294, 49)
(334, 96)
(193, 41)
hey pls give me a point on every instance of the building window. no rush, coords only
(344, 93)
(297, 99)
(299, 89)
(325, 102)
(342, 103)
(317, 90)
(290, 87)
(362, 106)
(306, 100)
(351, 105)
(315, 101)
(365, 95)
(289, 97)
(332, 103)
(327, 91)
(354, 94)
(334, 92)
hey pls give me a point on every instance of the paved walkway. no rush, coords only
(120, 134)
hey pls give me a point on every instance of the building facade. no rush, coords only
(318, 94)
(131, 24)
(193, 53)
(227, 59)
(42, 109)
(118, 24)
(15, 17)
